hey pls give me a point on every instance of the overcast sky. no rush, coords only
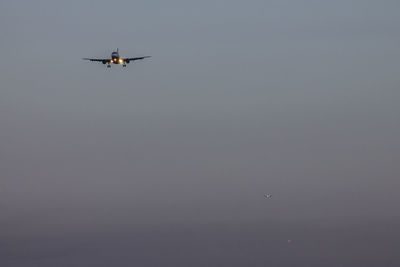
(165, 162)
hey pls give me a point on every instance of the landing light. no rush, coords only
(121, 61)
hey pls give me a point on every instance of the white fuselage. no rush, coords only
(115, 58)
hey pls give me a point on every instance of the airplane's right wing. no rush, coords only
(103, 60)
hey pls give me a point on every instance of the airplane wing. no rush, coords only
(104, 60)
(134, 58)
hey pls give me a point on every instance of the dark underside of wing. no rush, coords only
(98, 59)
(135, 58)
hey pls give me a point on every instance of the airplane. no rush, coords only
(116, 59)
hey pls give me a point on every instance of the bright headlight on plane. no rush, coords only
(121, 61)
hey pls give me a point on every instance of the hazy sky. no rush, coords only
(165, 162)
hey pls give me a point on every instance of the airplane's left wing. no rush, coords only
(103, 60)
(134, 58)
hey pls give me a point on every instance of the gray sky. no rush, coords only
(165, 162)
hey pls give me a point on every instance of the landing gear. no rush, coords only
(108, 65)
(124, 65)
